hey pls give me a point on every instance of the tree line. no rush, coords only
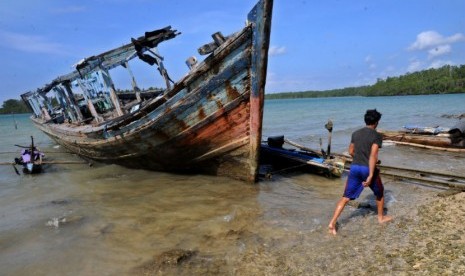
(14, 106)
(445, 80)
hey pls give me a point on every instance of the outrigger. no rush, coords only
(31, 159)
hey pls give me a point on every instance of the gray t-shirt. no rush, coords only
(363, 139)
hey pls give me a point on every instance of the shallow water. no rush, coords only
(109, 220)
(114, 220)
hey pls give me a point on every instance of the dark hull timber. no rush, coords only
(283, 159)
(209, 121)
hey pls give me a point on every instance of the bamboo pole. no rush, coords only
(443, 183)
(65, 162)
(53, 162)
(301, 147)
(47, 152)
(348, 157)
(427, 147)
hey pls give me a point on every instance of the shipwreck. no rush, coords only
(209, 121)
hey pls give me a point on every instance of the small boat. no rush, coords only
(31, 159)
(301, 158)
(415, 129)
(441, 138)
(208, 121)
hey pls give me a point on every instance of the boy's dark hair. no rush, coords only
(372, 116)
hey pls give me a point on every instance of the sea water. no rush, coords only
(76, 219)
(304, 119)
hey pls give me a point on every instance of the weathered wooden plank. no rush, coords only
(261, 18)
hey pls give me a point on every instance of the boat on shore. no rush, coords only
(440, 138)
(31, 159)
(298, 157)
(209, 121)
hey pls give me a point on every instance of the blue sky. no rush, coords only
(315, 45)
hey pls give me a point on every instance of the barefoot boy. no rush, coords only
(364, 147)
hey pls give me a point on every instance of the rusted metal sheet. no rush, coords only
(209, 121)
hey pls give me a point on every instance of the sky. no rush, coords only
(315, 45)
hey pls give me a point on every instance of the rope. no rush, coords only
(288, 168)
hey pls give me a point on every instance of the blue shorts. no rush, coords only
(357, 175)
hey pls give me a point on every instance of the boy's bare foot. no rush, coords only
(332, 230)
(384, 219)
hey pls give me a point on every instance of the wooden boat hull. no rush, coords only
(209, 121)
(429, 140)
(423, 139)
(32, 168)
(218, 145)
(284, 159)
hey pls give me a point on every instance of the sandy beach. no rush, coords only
(436, 243)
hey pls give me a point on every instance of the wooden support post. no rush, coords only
(60, 94)
(109, 84)
(133, 82)
(90, 104)
(161, 67)
(66, 103)
(33, 103)
(45, 114)
(72, 100)
(46, 101)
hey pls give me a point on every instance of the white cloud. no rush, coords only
(29, 43)
(430, 39)
(276, 51)
(439, 51)
(440, 63)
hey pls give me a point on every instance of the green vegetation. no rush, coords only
(129, 91)
(444, 80)
(14, 106)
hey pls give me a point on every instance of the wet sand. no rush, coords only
(426, 237)
(436, 242)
